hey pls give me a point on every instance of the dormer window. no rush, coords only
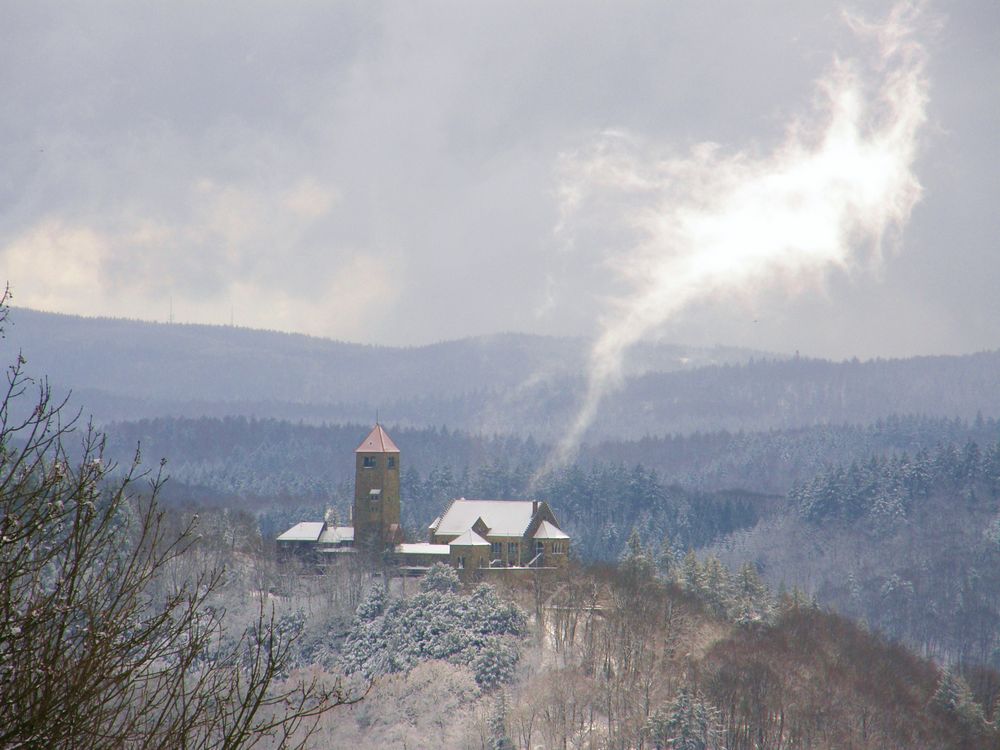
(368, 462)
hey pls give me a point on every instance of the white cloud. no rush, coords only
(311, 200)
(321, 130)
(53, 266)
(712, 224)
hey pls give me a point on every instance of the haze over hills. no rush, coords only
(129, 368)
(505, 383)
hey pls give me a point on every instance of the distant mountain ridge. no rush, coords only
(505, 384)
(127, 369)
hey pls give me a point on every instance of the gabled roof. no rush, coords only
(378, 441)
(307, 531)
(469, 539)
(503, 517)
(548, 530)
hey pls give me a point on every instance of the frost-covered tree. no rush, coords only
(689, 722)
(480, 631)
(499, 737)
(666, 560)
(441, 578)
(954, 697)
(636, 561)
(752, 599)
(716, 589)
(689, 574)
(99, 647)
(373, 605)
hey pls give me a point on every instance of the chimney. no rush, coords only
(534, 508)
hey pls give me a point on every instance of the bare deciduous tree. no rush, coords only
(98, 648)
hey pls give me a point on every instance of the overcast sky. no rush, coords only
(389, 172)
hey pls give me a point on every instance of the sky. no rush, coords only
(397, 172)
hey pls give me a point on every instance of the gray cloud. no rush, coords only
(388, 171)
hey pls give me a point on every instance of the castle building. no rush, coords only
(481, 538)
(376, 509)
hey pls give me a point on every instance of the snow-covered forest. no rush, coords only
(816, 584)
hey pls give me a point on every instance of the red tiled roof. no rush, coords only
(378, 441)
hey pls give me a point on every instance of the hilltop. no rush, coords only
(505, 383)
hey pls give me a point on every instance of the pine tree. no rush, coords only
(690, 575)
(441, 578)
(373, 605)
(717, 587)
(499, 739)
(666, 561)
(753, 603)
(689, 723)
(636, 561)
(953, 696)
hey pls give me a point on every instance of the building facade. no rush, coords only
(481, 538)
(376, 511)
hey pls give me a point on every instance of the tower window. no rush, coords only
(390, 462)
(369, 462)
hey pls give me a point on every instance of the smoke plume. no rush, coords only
(710, 223)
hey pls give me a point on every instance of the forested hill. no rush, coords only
(693, 487)
(514, 384)
(271, 458)
(125, 368)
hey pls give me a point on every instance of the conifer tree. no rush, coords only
(636, 561)
(716, 587)
(690, 575)
(665, 561)
(499, 738)
(690, 722)
(753, 600)
(953, 696)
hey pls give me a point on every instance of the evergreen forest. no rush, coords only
(767, 552)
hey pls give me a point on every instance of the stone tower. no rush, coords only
(376, 492)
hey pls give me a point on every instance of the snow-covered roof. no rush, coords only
(422, 548)
(306, 531)
(337, 535)
(548, 530)
(470, 539)
(503, 517)
(434, 523)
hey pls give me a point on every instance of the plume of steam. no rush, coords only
(708, 223)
